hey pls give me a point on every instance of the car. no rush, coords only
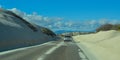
(68, 38)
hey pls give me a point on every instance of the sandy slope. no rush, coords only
(104, 45)
(14, 32)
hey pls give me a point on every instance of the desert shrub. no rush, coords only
(48, 32)
(107, 27)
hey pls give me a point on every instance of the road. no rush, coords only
(54, 50)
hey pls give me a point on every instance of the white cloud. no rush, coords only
(57, 23)
(103, 21)
(114, 22)
(18, 12)
(58, 18)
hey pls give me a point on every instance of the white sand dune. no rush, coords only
(104, 45)
(16, 32)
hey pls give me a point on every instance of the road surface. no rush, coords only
(54, 50)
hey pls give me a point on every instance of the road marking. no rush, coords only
(24, 48)
(50, 51)
(82, 54)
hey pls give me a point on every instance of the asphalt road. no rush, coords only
(54, 50)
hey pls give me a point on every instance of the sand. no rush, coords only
(104, 45)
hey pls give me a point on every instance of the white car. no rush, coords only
(68, 38)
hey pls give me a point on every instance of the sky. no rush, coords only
(66, 14)
(68, 9)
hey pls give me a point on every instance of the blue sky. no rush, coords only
(75, 15)
(76, 10)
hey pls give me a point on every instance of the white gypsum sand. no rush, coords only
(104, 45)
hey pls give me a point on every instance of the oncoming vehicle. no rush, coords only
(67, 38)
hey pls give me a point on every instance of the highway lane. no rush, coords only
(54, 50)
(68, 51)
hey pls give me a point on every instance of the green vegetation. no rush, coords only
(107, 27)
(48, 32)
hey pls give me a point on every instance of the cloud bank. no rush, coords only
(58, 23)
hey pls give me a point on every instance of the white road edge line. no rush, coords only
(24, 48)
(81, 54)
(50, 51)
